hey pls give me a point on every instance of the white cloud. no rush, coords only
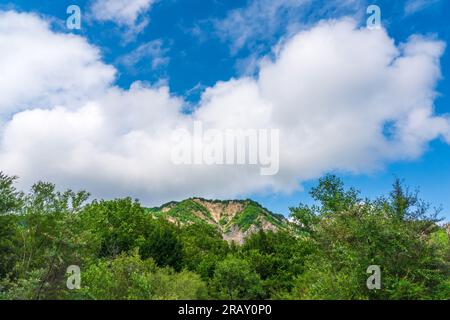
(130, 14)
(264, 19)
(258, 19)
(413, 6)
(154, 53)
(40, 68)
(331, 90)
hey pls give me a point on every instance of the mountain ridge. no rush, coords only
(235, 219)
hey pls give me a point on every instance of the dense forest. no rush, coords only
(125, 252)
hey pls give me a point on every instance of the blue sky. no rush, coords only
(188, 46)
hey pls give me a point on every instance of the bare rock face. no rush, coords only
(234, 234)
(235, 219)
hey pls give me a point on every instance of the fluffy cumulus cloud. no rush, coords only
(331, 90)
(41, 68)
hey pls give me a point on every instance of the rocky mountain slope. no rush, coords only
(236, 219)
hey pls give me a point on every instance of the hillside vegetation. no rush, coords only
(203, 249)
(234, 219)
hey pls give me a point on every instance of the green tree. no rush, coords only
(277, 257)
(203, 247)
(51, 236)
(129, 277)
(371, 233)
(47, 239)
(122, 225)
(333, 197)
(10, 204)
(234, 279)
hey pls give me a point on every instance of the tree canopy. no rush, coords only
(126, 252)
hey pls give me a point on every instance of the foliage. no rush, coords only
(126, 251)
(129, 277)
(203, 247)
(353, 235)
(186, 212)
(122, 225)
(235, 279)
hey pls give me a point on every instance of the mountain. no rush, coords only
(235, 219)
